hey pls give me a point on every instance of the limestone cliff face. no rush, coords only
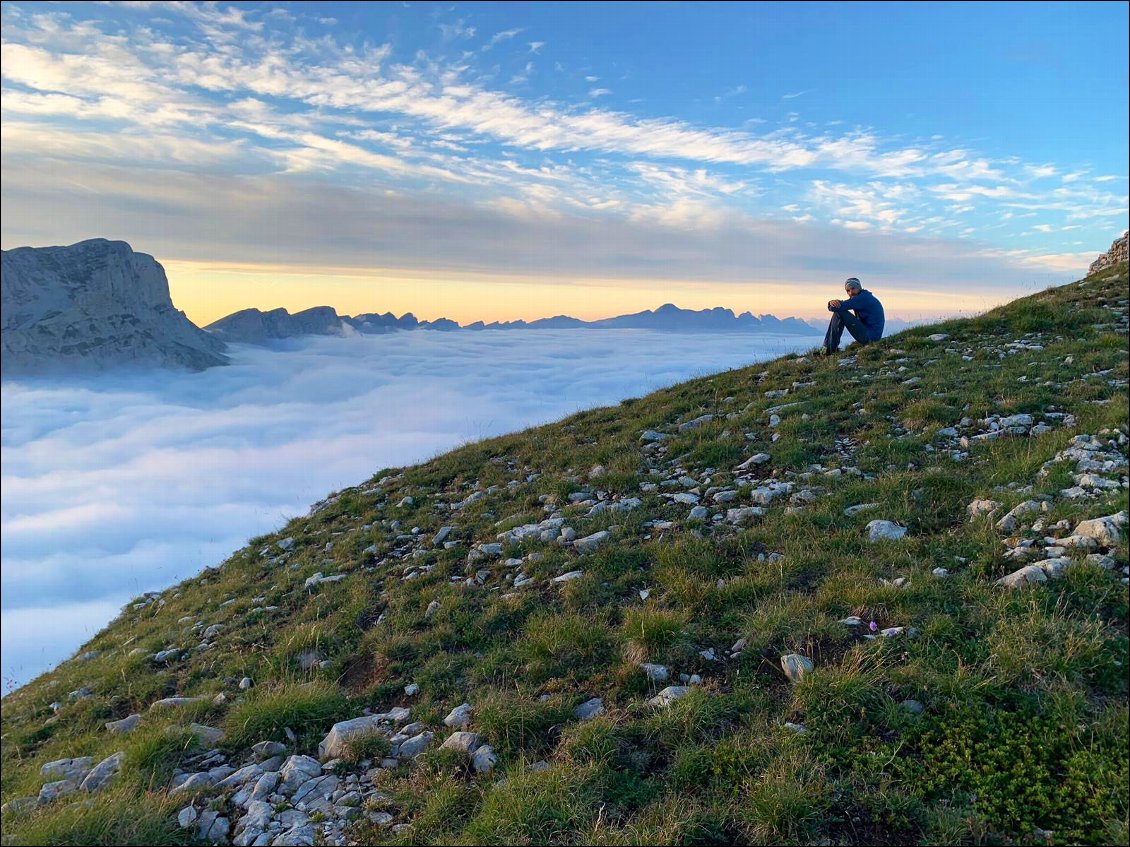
(1116, 255)
(90, 306)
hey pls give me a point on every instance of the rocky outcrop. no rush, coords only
(94, 305)
(252, 326)
(1116, 255)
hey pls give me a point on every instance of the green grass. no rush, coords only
(1024, 693)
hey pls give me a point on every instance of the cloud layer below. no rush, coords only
(127, 483)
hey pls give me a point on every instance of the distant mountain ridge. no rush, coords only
(252, 326)
(92, 305)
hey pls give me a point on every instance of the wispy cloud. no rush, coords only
(500, 37)
(275, 104)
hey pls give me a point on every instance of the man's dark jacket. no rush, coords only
(868, 310)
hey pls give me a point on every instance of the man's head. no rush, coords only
(852, 286)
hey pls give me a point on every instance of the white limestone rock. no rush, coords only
(1107, 531)
(94, 305)
(796, 666)
(884, 531)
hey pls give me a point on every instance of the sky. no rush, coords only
(519, 160)
(124, 483)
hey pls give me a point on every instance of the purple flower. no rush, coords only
(874, 627)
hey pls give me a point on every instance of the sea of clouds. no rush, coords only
(124, 483)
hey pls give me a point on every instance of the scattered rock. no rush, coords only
(884, 531)
(1107, 531)
(103, 773)
(415, 745)
(589, 543)
(67, 769)
(484, 759)
(669, 695)
(463, 742)
(981, 507)
(267, 749)
(796, 666)
(1028, 575)
(186, 819)
(173, 703)
(459, 717)
(589, 709)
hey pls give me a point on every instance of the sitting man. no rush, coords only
(865, 326)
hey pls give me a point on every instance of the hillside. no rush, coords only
(762, 606)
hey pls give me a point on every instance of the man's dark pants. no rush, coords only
(840, 321)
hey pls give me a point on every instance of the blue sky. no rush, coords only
(383, 155)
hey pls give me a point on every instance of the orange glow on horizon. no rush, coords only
(207, 291)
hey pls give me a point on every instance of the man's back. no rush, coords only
(869, 311)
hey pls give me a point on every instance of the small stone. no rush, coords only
(208, 736)
(1028, 575)
(245, 683)
(463, 742)
(103, 773)
(590, 543)
(796, 666)
(981, 507)
(884, 531)
(589, 709)
(459, 717)
(54, 790)
(266, 749)
(344, 733)
(412, 689)
(187, 817)
(656, 673)
(415, 745)
(913, 706)
(669, 695)
(173, 703)
(484, 759)
(67, 769)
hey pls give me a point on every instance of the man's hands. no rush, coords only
(834, 304)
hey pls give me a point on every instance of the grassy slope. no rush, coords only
(1025, 691)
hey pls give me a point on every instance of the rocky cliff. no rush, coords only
(1116, 255)
(93, 305)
